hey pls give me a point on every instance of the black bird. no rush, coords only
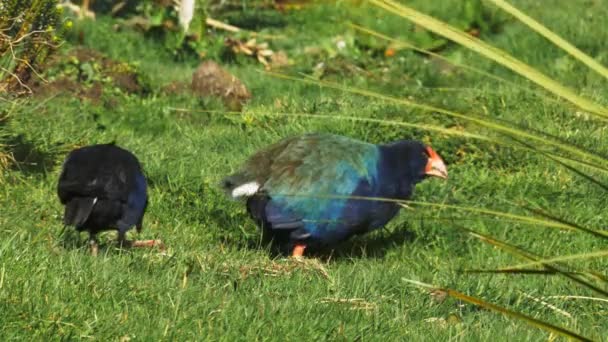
(103, 188)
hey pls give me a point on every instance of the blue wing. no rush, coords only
(307, 184)
(135, 207)
(322, 210)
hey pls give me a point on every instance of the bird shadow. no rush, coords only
(70, 239)
(375, 245)
(73, 240)
(29, 158)
(371, 246)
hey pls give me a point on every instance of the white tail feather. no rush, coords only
(247, 189)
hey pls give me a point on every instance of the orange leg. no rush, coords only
(148, 243)
(94, 246)
(122, 241)
(298, 251)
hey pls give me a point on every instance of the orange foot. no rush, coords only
(298, 251)
(94, 247)
(144, 243)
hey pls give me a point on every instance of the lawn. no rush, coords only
(217, 280)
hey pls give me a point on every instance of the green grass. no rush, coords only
(220, 283)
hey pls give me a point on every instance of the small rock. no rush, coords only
(210, 79)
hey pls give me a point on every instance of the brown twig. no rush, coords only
(222, 26)
(12, 44)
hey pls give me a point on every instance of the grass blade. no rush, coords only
(519, 252)
(552, 223)
(493, 53)
(591, 274)
(496, 308)
(334, 116)
(540, 262)
(405, 204)
(578, 297)
(449, 61)
(508, 131)
(542, 213)
(425, 127)
(552, 37)
(576, 171)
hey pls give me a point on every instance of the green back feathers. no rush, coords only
(312, 162)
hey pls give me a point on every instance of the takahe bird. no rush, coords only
(307, 191)
(103, 188)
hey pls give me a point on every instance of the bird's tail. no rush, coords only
(77, 211)
(228, 183)
(236, 181)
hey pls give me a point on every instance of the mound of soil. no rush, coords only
(210, 79)
(87, 73)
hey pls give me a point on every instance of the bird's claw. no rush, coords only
(143, 243)
(94, 247)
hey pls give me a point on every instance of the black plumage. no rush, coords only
(103, 188)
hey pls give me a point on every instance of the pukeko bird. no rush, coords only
(103, 188)
(317, 190)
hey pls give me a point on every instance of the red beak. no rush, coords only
(435, 166)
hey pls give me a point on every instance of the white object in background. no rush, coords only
(185, 10)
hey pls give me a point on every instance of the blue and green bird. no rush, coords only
(317, 190)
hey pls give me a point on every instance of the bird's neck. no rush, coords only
(396, 172)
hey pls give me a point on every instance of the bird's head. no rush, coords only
(417, 160)
(435, 167)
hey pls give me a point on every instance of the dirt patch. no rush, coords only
(210, 79)
(66, 86)
(87, 74)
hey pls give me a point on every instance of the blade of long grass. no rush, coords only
(570, 257)
(436, 55)
(547, 305)
(522, 267)
(591, 274)
(406, 204)
(552, 37)
(563, 160)
(577, 171)
(578, 297)
(333, 116)
(425, 127)
(564, 164)
(493, 53)
(509, 131)
(496, 308)
(449, 61)
(524, 219)
(545, 214)
(519, 252)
